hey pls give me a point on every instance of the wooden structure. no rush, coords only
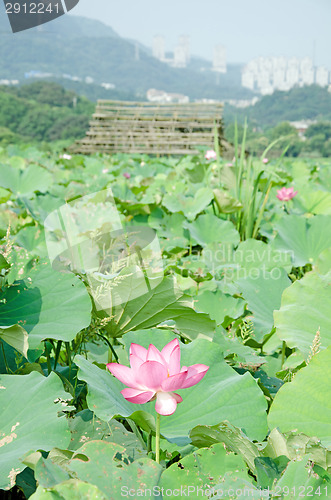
(150, 128)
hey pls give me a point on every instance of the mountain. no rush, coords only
(83, 48)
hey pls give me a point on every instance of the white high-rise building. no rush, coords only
(263, 81)
(181, 52)
(159, 47)
(248, 79)
(185, 43)
(219, 60)
(307, 71)
(180, 60)
(279, 78)
(322, 76)
(279, 73)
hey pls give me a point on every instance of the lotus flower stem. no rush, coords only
(4, 357)
(57, 353)
(157, 438)
(149, 442)
(138, 250)
(283, 353)
(48, 357)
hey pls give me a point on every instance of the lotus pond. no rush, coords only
(219, 272)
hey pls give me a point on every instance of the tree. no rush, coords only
(320, 128)
(47, 93)
(283, 129)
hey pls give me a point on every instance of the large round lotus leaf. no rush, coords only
(298, 478)
(69, 490)
(305, 308)
(253, 254)
(315, 202)
(191, 206)
(219, 305)
(163, 303)
(303, 238)
(29, 420)
(210, 229)
(263, 294)
(323, 263)
(202, 467)
(32, 238)
(108, 468)
(304, 404)
(221, 395)
(49, 305)
(86, 427)
(24, 182)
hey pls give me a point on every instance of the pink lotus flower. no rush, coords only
(157, 374)
(265, 160)
(286, 194)
(127, 175)
(210, 155)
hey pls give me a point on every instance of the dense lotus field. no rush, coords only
(209, 278)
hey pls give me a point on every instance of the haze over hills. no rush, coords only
(82, 48)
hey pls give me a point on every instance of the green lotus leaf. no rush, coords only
(253, 254)
(226, 203)
(86, 427)
(25, 182)
(191, 206)
(263, 295)
(316, 202)
(163, 303)
(15, 336)
(219, 305)
(304, 239)
(108, 467)
(29, 420)
(48, 305)
(323, 263)
(70, 490)
(304, 404)
(235, 440)
(202, 467)
(297, 480)
(305, 308)
(208, 229)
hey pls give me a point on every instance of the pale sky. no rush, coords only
(248, 28)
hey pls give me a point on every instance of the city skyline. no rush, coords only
(247, 30)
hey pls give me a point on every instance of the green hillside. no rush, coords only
(42, 111)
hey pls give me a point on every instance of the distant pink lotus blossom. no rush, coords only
(155, 375)
(105, 171)
(286, 194)
(127, 175)
(229, 164)
(211, 155)
(66, 157)
(265, 160)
